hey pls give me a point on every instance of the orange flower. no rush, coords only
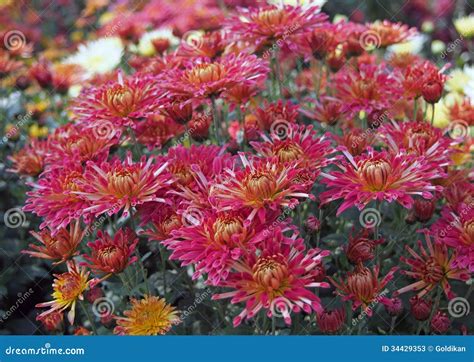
(60, 247)
(149, 316)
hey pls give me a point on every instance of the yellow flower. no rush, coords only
(36, 131)
(465, 26)
(67, 289)
(148, 317)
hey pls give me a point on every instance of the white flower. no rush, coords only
(413, 46)
(302, 3)
(98, 56)
(461, 81)
(145, 44)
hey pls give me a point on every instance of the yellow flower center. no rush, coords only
(226, 226)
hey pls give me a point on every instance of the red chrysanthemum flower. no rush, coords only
(54, 196)
(455, 228)
(265, 25)
(210, 45)
(115, 185)
(463, 111)
(111, 255)
(363, 287)
(59, 247)
(30, 160)
(203, 78)
(8, 65)
(327, 110)
(121, 102)
(262, 185)
(355, 140)
(275, 112)
(369, 88)
(432, 268)
(296, 144)
(163, 218)
(380, 176)
(419, 138)
(276, 279)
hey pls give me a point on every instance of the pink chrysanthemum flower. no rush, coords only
(68, 289)
(163, 219)
(111, 255)
(455, 228)
(380, 176)
(119, 103)
(264, 26)
(115, 185)
(390, 33)
(420, 139)
(431, 268)
(212, 241)
(363, 287)
(203, 78)
(30, 160)
(59, 247)
(369, 88)
(81, 144)
(209, 159)
(261, 185)
(298, 144)
(54, 197)
(276, 279)
(156, 131)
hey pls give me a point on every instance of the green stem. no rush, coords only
(89, 318)
(215, 116)
(415, 109)
(432, 113)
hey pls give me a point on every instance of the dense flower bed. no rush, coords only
(199, 167)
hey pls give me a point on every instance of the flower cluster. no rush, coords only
(292, 186)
